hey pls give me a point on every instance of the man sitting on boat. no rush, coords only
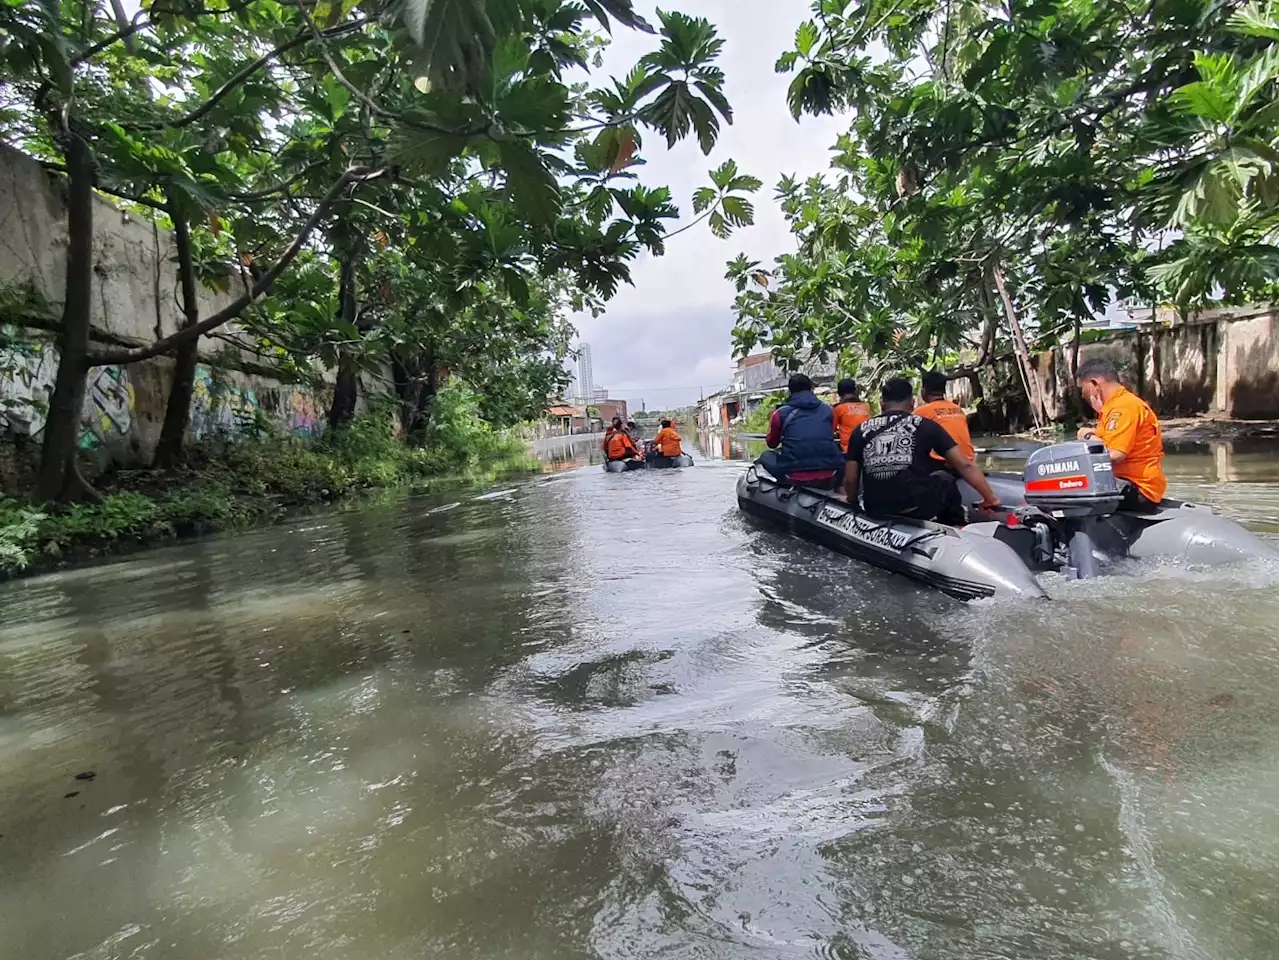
(949, 416)
(802, 440)
(890, 462)
(618, 444)
(1130, 430)
(667, 442)
(848, 412)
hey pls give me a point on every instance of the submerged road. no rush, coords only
(593, 715)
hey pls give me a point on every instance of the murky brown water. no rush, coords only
(593, 715)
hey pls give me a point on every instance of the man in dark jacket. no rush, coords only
(803, 444)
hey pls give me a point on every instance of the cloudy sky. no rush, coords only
(668, 336)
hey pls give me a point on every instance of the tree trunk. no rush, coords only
(1075, 349)
(347, 387)
(1039, 412)
(58, 478)
(177, 411)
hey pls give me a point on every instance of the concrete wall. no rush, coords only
(1223, 362)
(136, 300)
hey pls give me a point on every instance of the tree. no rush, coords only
(1008, 172)
(300, 131)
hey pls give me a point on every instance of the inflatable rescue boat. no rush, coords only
(1061, 514)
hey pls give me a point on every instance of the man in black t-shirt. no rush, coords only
(889, 460)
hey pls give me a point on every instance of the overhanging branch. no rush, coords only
(259, 289)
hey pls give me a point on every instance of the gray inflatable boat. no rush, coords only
(1061, 514)
(964, 563)
(652, 461)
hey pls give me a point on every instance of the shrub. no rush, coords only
(19, 529)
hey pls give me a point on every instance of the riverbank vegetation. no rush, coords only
(252, 481)
(398, 193)
(1011, 172)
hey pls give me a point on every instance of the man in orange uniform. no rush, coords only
(618, 444)
(667, 442)
(1131, 432)
(848, 412)
(947, 415)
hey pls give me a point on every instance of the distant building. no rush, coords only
(754, 378)
(586, 377)
(599, 393)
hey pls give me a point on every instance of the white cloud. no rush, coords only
(670, 334)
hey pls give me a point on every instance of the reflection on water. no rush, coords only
(595, 715)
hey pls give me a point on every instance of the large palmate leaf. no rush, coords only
(530, 183)
(455, 38)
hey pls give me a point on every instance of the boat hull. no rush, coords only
(968, 564)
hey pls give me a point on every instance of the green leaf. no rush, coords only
(738, 211)
(786, 62)
(426, 150)
(1255, 20)
(703, 197)
(705, 124)
(337, 96)
(671, 114)
(1205, 100)
(812, 91)
(621, 10)
(806, 37)
(532, 187)
(537, 104)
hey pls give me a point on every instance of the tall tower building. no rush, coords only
(585, 380)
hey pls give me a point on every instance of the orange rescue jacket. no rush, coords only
(847, 415)
(667, 442)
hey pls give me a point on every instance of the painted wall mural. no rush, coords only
(223, 405)
(221, 409)
(27, 371)
(108, 407)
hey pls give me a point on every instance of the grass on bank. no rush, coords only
(229, 485)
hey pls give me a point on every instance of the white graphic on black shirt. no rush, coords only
(892, 449)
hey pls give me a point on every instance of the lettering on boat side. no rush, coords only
(863, 529)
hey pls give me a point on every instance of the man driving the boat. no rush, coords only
(802, 440)
(1130, 430)
(890, 462)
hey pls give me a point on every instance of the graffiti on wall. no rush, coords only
(221, 409)
(27, 371)
(108, 407)
(300, 413)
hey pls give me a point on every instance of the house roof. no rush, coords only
(565, 411)
(754, 359)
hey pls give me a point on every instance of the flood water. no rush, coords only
(596, 715)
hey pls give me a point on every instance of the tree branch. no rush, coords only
(246, 72)
(138, 24)
(279, 187)
(260, 287)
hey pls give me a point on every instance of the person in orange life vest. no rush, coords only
(848, 412)
(947, 415)
(1130, 430)
(667, 442)
(618, 444)
(802, 439)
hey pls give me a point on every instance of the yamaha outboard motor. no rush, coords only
(1074, 483)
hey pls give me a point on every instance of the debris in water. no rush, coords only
(73, 793)
(86, 775)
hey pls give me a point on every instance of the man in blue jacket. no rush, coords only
(804, 449)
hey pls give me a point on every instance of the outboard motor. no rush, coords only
(1074, 483)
